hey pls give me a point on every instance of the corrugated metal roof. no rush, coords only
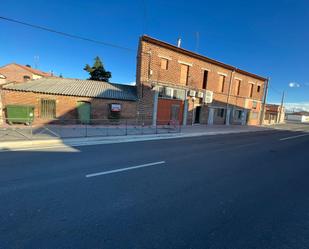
(76, 87)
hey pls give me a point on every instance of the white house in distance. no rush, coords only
(302, 117)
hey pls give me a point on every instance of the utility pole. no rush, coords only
(264, 100)
(281, 106)
(227, 112)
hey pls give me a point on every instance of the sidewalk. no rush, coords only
(190, 131)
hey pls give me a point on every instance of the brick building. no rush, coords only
(19, 73)
(174, 85)
(72, 99)
(274, 114)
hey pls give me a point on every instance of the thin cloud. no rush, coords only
(302, 106)
(294, 85)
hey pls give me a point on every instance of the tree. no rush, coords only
(97, 71)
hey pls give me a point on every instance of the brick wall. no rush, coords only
(14, 73)
(66, 105)
(149, 72)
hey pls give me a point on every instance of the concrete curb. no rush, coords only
(56, 143)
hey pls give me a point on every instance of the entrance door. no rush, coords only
(175, 109)
(84, 112)
(197, 115)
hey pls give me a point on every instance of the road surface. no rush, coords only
(248, 190)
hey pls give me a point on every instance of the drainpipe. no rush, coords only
(227, 113)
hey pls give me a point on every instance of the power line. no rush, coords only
(66, 34)
(275, 90)
(144, 25)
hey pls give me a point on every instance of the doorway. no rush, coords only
(84, 112)
(175, 109)
(197, 115)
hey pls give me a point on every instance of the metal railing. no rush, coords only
(73, 128)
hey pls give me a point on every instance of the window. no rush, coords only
(175, 110)
(164, 63)
(205, 78)
(221, 82)
(184, 70)
(220, 112)
(258, 88)
(237, 87)
(26, 77)
(254, 105)
(48, 108)
(251, 90)
(238, 114)
(254, 115)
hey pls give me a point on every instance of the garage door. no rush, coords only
(170, 111)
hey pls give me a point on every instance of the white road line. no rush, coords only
(292, 137)
(124, 169)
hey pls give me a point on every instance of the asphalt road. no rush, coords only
(235, 191)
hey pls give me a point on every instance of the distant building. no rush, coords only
(2, 79)
(177, 85)
(302, 117)
(274, 114)
(18, 73)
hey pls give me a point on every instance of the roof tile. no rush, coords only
(77, 87)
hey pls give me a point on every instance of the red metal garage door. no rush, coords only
(170, 111)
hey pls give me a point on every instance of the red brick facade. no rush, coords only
(151, 74)
(66, 106)
(19, 73)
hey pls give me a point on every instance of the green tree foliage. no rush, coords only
(97, 71)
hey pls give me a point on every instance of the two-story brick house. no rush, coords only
(172, 84)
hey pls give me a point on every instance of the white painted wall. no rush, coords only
(305, 119)
(299, 118)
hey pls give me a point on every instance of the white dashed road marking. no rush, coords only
(292, 137)
(125, 169)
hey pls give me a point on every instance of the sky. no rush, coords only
(268, 38)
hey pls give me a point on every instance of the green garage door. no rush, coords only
(84, 112)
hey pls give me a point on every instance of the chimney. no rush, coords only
(179, 42)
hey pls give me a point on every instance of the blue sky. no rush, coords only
(269, 38)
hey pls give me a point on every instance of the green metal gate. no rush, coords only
(84, 112)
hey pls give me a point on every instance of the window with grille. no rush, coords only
(48, 108)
